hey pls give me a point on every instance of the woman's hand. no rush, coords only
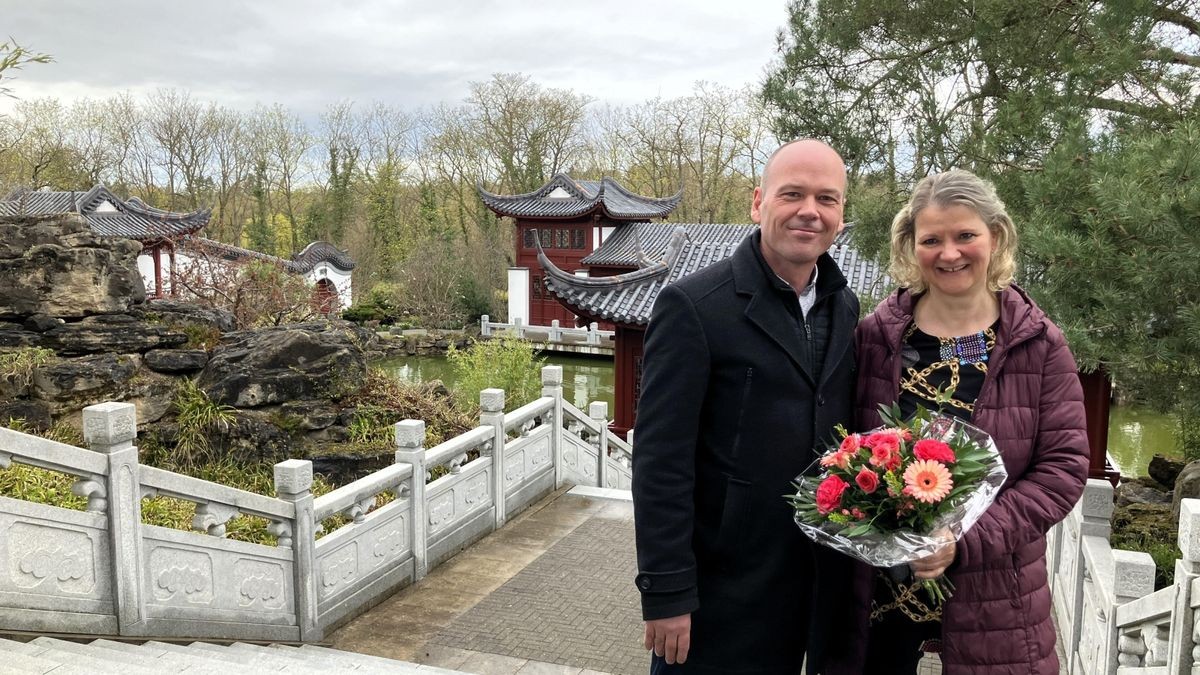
(935, 564)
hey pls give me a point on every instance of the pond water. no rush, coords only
(1135, 433)
(585, 379)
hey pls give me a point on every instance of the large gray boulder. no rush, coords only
(176, 360)
(1165, 469)
(1141, 491)
(120, 333)
(89, 378)
(309, 361)
(54, 265)
(1187, 486)
(177, 313)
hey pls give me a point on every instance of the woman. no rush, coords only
(958, 326)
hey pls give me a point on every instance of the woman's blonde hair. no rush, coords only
(954, 188)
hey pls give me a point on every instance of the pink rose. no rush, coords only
(867, 480)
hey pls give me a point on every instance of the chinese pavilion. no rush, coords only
(568, 219)
(169, 239)
(665, 253)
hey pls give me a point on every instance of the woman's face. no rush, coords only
(953, 248)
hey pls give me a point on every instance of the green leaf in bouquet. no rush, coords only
(858, 530)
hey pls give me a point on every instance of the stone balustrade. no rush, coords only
(554, 333)
(104, 571)
(1109, 616)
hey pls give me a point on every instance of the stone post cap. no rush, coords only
(1098, 499)
(410, 433)
(293, 476)
(552, 376)
(1133, 574)
(598, 410)
(1189, 529)
(554, 323)
(111, 423)
(491, 400)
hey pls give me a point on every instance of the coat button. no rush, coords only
(644, 583)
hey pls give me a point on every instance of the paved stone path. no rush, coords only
(575, 605)
(549, 593)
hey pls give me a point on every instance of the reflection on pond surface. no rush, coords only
(1135, 433)
(584, 379)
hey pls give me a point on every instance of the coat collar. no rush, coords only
(766, 292)
(1020, 317)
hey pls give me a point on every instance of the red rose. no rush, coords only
(883, 439)
(867, 479)
(829, 494)
(935, 450)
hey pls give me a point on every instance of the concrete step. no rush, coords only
(298, 657)
(132, 664)
(193, 664)
(377, 662)
(16, 661)
(85, 662)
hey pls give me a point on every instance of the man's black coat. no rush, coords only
(731, 411)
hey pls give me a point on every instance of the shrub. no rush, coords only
(502, 363)
(18, 366)
(196, 416)
(382, 400)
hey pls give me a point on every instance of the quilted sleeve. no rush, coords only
(1057, 472)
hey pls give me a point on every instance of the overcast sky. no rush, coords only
(412, 53)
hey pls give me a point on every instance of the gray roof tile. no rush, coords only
(131, 219)
(629, 297)
(586, 196)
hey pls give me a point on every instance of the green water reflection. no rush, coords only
(1135, 433)
(584, 379)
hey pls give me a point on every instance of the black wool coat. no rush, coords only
(728, 417)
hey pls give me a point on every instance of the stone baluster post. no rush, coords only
(518, 327)
(1091, 517)
(552, 387)
(410, 449)
(598, 411)
(1183, 651)
(485, 326)
(110, 429)
(593, 336)
(1133, 577)
(293, 483)
(491, 406)
(555, 332)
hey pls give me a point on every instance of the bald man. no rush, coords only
(748, 367)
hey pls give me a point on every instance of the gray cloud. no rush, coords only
(306, 54)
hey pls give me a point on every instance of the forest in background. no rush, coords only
(394, 187)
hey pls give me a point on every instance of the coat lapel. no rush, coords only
(841, 334)
(762, 306)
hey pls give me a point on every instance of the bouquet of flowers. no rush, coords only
(892, 495)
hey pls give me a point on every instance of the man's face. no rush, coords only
(800, 207)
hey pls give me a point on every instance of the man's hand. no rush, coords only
(932, 566)
(670, 638)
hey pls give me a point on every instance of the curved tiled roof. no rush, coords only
(312, 255)
(584, 196)
(323, 251)
(624, 246)
(130, 219)
(628, 298)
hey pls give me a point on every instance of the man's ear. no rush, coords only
(755, 205)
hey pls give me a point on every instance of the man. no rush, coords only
(749, 365)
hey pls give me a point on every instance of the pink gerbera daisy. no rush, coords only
(928, 481)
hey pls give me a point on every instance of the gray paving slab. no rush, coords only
(573, 607)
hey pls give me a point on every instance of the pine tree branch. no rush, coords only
(1173, 16)
(1168, 55)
